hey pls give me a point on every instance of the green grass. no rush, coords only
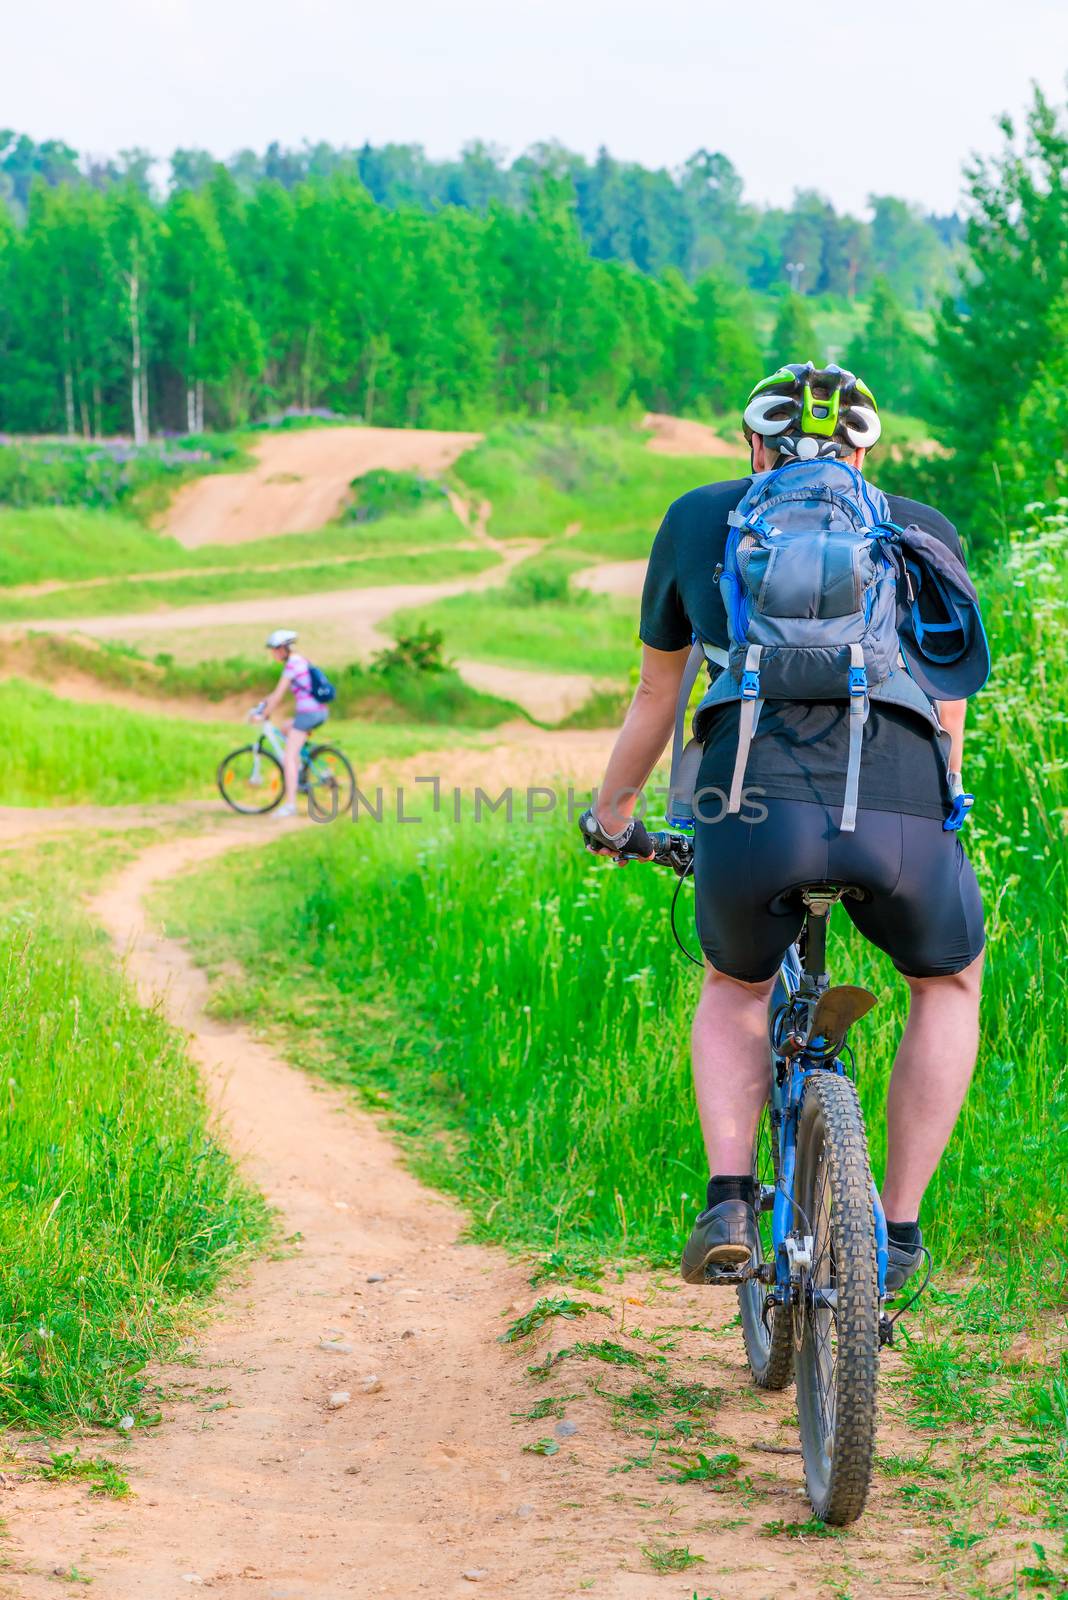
(541, 476)
(69, 544)
(120, 1210)
(60, 752)
(66, 543)
(598, 635)
(239, 583)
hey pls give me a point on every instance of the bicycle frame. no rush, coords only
(273, 736)
(796, 1054)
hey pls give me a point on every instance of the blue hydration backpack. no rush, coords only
(319, 686)
(809, 582)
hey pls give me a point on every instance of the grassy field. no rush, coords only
(61, 752)
(541, 477)
(148, 594)
(120, 1209)
(65, 544)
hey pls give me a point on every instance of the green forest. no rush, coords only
(381, 286)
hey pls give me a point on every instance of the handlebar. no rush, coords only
(674, 850)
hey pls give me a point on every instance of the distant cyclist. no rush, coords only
(299, 676)
(856, 786)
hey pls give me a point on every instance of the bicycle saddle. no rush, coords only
(830, 893)
(816, 896)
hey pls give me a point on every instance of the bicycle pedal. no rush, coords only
(730, 1277)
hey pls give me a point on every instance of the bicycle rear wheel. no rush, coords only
(768, 1345)
(250, 780)
(836, 1320)
(330, 781)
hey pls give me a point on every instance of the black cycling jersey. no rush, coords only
(800, 750)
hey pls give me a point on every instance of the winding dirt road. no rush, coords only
(257, 1487)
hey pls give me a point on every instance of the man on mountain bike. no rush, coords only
(922, 904)
(308, 714)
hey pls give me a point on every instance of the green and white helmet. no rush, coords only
(806, 412)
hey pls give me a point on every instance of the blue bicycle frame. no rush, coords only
(795, 992)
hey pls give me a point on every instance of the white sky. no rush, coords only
(846, 99)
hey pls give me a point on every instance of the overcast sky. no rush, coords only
(877, 97)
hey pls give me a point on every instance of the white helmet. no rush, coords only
(279, 637)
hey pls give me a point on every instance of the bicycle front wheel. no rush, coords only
(331, 783)
(250, 780)
(768, 1336)
(836, 1318)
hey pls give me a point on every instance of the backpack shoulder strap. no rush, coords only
(686, 756)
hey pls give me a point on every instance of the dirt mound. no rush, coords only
(301, 479)
(678, 436)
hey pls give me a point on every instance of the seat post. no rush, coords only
(818, 908)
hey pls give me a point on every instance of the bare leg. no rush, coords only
(731, 1068)
(931, 1075)
(291, 762)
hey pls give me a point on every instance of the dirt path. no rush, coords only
(301, 479)
(679, 436)
(418, 1484)
(347, 625)
(29, 591)
(614, 577)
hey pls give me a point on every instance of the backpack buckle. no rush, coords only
(750, 685)
(959, 814)
(858, 680)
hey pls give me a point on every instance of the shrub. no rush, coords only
(380, 493)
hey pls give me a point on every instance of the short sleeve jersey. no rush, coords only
(800, 749)
(297, 674)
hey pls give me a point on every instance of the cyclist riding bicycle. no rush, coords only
(309, 713)
(921, 902)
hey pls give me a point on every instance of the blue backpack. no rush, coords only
(319, 686)
(809, 582)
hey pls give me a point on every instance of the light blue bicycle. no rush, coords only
(250, 778)
(812, 1300)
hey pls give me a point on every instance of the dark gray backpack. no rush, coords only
(809, 583)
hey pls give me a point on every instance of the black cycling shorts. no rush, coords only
(923, 907)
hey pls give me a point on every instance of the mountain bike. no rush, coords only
(812, 1300)
(251, 780)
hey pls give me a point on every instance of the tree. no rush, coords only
(206, 330)
(905, 250)
(890, 355)
(134, 235)
(794, 337)
(996, 341)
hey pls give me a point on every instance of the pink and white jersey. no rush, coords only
(297, 675)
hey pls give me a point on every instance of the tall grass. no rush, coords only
(62, 752)
(119, 1206)
(494, 982)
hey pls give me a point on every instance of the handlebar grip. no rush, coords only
(674, 850)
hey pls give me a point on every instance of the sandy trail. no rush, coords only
(680, 436)
(346, 623)
(301, 479)
(625, 578)
(29, 591)
(254, 1487)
